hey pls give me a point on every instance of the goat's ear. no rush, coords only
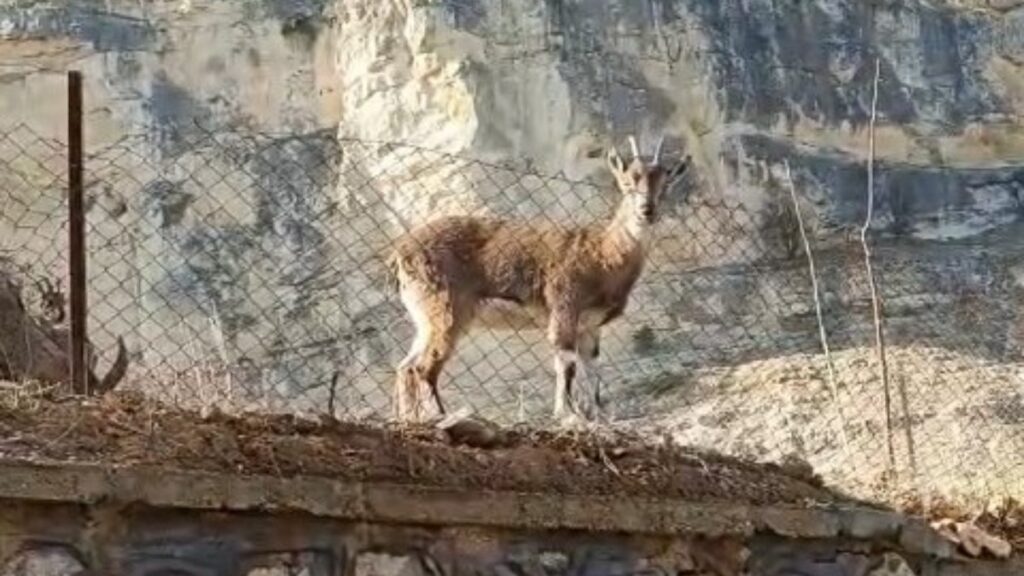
(615, 163)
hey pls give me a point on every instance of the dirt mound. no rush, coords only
(965, 439)
(125, 429)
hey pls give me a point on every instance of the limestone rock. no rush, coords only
(892, 565)
(972, 540)
(462, 427)
(45, 561)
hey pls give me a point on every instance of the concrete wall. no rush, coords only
(75, 520)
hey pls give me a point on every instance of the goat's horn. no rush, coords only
(636, 149)
(657, 150)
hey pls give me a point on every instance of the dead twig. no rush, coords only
(907, 425)
(332, 394)
(53, 441)
(127, 427)
(876, 304)
(606, 460)
(822, 334)
(273, 460)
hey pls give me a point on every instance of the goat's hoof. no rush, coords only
(571, 421)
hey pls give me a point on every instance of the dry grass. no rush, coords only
(127, 429)
(39, 422)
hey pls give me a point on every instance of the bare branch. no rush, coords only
(876, 305)
(812, 269)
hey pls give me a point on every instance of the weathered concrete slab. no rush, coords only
(66, 518)
(92, 484)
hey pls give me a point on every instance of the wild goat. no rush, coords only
(38, 350)
(459, 271)
(54, 305)
(96, 386)
(53, 301)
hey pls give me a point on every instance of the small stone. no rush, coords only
(553, 563)
(800, 523)
(44, 561)
(947, 528)
(917, 537)
(798, 467)
(892, 565)
(381, 564)
(464, 428)
(971, 539)
(996, 546)
(871, 524)
(854, 564)
(287, 564)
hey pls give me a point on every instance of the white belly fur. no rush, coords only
(504, 315)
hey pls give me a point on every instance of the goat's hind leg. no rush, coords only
(406, 394)
(407, 382)
(449, 319)
(439, 349)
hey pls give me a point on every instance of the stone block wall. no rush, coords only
(76, 520)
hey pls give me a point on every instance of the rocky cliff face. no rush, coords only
(265, 251)
(738, 84)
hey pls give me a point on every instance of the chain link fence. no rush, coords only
(247, 271)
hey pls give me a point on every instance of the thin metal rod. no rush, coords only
(76, 237)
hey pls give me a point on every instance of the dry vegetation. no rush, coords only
(38, 424)
(127, 429)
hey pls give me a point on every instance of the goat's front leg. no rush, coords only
(562, 333)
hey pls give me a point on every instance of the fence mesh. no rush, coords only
(248, 271)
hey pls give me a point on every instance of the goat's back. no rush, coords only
(491, 257)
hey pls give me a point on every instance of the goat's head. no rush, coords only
(53, 300)
(643, 183)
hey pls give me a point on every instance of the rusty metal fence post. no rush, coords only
(76, 240)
